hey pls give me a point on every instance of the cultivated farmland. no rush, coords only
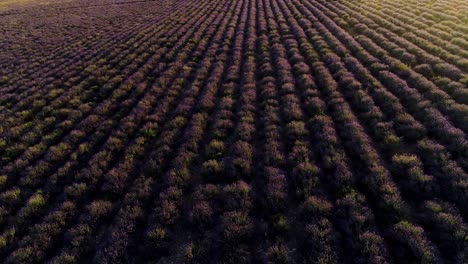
(234, 131)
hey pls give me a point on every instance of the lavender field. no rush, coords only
(234, 131)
